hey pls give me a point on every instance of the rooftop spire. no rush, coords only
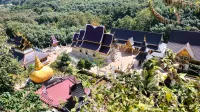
(38, 64)
(18, 34)
(94, 23)
(145, 38)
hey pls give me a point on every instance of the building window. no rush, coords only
(86, 52)
(94, 55)
(80, 50)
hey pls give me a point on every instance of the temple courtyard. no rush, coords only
(124, 62)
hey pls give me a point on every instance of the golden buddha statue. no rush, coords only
(41, 73)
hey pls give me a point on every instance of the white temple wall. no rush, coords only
(89, 54)
(76, 51)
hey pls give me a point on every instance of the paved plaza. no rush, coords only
(125, 61)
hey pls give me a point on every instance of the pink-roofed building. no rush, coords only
(59, 91)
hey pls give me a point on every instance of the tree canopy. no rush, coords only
(37, 20)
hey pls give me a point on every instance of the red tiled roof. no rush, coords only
(58, 93)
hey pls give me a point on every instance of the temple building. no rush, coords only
(25, 54)
(145, 44)
(185, 44)
(54, 42)
(91, 41)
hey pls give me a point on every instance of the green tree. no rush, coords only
(84, 64)
(88, 64)
(21, 101)
(150, 64)
(98, 61)
(9, 68)
(62, 62)
(81, 64)
(143, 19)
(70, 70)
(127, 23)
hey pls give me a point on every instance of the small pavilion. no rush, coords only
(54, 42)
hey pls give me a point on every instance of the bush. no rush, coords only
(84, 64)
(62, 62)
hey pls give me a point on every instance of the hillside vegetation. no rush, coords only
(39, 20)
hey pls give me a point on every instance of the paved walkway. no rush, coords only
(55, 53)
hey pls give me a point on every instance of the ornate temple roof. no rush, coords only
(106, 43)
(80, 38)
(74, 40)
(82, 33)
(121, 41)
(137, 44)
(90, 45)
(94, 33)
(93, 38)
(54, 40)
(188, 48)
(183, 37)
(104, 49)
(24, 52)
(107, 39)
(27, 58)
(18, 40)
(138, 36)
(179, 39)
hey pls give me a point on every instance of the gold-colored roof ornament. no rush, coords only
(18, 34)
(41, 73)
(94, 23)
(38, 64)
(145, 39)
(24, 42)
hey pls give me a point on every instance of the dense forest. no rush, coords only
(144, 91)
(38, 20)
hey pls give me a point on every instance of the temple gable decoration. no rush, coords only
(186, 51)
(25, 53)
(185, 44)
